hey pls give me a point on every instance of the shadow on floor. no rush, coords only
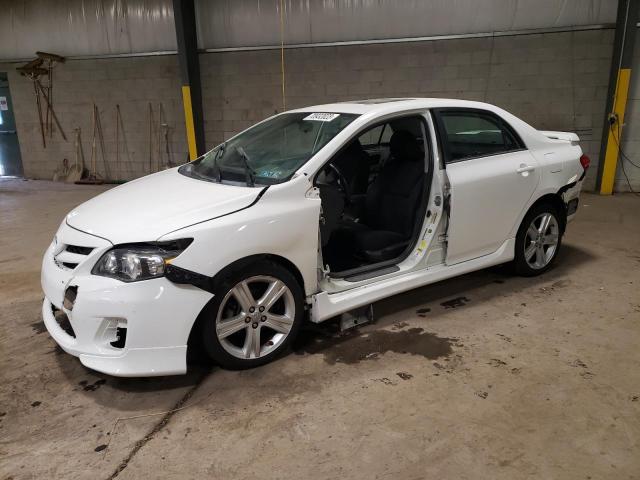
(490, 283)
(351, 346)
(115, 392)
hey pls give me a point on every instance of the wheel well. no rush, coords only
(193, 350)
(243, 262)
(289, 265)
(556, 201)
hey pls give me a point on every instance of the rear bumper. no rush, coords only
(157, 316)
(571, 199)
(572, 208)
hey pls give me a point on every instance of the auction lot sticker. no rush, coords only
(322, 117)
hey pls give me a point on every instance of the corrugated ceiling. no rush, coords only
(107, 27)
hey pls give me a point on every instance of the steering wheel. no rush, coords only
(342, 183)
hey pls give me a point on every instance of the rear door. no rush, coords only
(492, 176)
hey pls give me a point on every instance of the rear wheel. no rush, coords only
(538, 241)
(255, 315)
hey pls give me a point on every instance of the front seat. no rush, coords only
(353, 162)
(391, 204)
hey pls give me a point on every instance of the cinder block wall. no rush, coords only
(554, 81)
(131, 83)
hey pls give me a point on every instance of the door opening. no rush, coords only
(374, 194)
(10, 159)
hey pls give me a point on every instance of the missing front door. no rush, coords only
(374, 194)
(10, 159)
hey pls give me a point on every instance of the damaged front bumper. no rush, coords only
(122, 329)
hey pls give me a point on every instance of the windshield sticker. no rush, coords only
(322, 117)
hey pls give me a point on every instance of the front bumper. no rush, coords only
(157, 314)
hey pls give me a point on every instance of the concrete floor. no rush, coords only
(484, 376)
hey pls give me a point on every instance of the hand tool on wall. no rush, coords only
(100, 135)
(121, 137)
(30, 65)
(61, 173)
(50, 109)
(76, 171)
(118, 172)
(150, 138)
(93, 172)
(166, 129)
(92, 176)
(50, 59)
(39, 107)
(159, 133)
(32, 70)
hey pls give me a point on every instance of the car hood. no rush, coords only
(147, 208)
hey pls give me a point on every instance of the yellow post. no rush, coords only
(188, 119)
(619, 76)
(615, 132)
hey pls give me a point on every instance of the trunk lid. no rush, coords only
(564, 136)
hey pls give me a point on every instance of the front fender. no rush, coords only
(283, 222)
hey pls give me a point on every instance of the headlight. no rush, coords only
(132, 263)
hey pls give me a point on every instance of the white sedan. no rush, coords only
(307, 215)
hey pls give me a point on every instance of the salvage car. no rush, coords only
(307, 215)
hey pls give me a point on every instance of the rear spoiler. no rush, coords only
(565, 136)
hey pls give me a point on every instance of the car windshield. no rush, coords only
(271, 151)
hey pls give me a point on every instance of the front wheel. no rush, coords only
(538, 241)
(254, 316)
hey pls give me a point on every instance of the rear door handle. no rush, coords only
(525, 168)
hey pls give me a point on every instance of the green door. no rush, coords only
(10, 160)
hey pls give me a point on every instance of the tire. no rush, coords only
(243, 326)
(544, 245)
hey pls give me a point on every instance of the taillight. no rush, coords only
(585, 161)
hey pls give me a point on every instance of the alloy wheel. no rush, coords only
(541, 240)
(255, 317)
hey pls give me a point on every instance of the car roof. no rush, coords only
(370, 110)
(392, 105)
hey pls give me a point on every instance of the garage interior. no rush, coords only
(484, 376)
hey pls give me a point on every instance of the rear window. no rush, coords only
(470, 134)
